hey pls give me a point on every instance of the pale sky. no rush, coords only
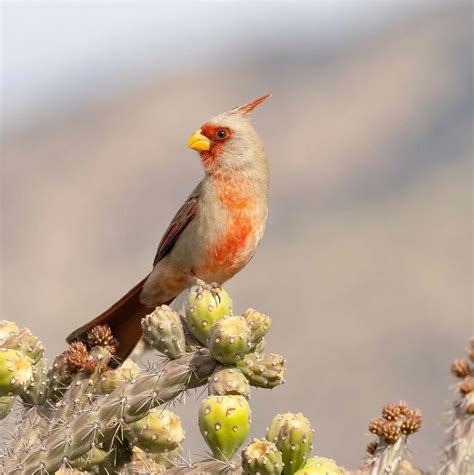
(54, 52)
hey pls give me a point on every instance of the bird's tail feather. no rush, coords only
(123, 318)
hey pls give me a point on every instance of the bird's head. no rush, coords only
(228, 142)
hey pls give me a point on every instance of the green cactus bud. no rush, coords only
(26, 342)
(293, 435)
(229, 340)
(159, 431)
(204, 305)
(6, 404)
(6, 330)
(265, 370)
(35, 393)
(319, 466)
(261, 457)
(113, 378)
(163, 330)
(228, 381)
(258, 323)
(16, 372)
(224, 422)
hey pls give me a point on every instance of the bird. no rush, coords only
(213, 235)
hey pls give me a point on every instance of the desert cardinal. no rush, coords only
(213, 235)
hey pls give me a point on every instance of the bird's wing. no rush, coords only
(182, 218)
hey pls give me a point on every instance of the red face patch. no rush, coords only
(218, 136)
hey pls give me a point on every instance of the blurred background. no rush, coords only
(365, 267)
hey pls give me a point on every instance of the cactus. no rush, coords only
(6, 330)
(226, 381)
(261, 457)
(35, 392)
(294, 439)
(23, 340)
(204, 305)
(229, 339)
(16, 372)
(159, 431)
(263, 370)
(319, 466)
(259, 325)
(113, 378)
(397, 422)
(163, 330)
(459, 452)
(6, 405)
(224, 422)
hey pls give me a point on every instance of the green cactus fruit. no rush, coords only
(204, 305)
(265, 370)
(319, 466)
(16, 372)
(228, 381)
(293, 435)
(35, 393)
(113, 378)
(25, 341)
(159, 431)
(163, 330)
(224, 422)
(261, 457)
(6, 404)
(6, 330)
(258, 323)
(229, 340)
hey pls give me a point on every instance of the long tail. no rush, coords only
(123, 318)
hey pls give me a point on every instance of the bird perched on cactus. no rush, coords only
(213, 235)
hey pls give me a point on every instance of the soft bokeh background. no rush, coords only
(365, 266)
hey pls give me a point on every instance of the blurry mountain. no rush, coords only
(365, 266)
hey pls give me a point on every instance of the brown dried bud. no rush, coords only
(77, 356)
(404, 408)
(390, 432)
(101, 335)
(372, 447)
(412, 422)
(460, 368)
(376, 426)
(467, 386)
(470, 409)
(391, 412)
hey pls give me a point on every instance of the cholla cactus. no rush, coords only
(392, 429)
(86, 414)
(263, 457)
(459, 451)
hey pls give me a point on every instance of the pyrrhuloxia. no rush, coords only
(213, 235)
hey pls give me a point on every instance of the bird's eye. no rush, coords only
(221, 134)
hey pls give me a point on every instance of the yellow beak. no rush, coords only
(199, 142)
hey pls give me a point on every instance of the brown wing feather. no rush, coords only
(182, 218)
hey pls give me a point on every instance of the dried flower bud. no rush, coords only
(390, 432)
(101, 335)
(460, 368)
(470, 409)
(467, 386)
(376, 426)
(391, 412)
(404, 408)
(372, 447)
(412, 422)
(76, 356)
